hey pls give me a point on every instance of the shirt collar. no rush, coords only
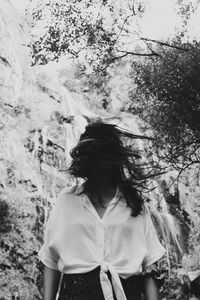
(118, 199)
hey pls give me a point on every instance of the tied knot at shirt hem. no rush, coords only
(131, 242)
(106, 285)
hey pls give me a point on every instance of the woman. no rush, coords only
(100, 236)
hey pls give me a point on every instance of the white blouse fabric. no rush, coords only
(77, 240)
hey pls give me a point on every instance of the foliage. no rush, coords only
(97, 32)
(186, 10)
(191, 260)
(19, 245)
(4, 212)
(167, 98)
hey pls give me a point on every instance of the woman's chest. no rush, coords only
(88, 225)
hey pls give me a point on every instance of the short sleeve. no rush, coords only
(48, 254)
(154, 248)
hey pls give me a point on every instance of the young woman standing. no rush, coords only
(100, 236)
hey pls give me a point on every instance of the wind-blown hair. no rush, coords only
(102, 150)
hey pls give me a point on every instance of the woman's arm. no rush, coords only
(150, 289)
(51, 283)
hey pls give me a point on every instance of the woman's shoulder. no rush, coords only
(66, 203)
(67, 195)
(147, 218)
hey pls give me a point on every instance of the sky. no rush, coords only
(20, 4)
(159, 21)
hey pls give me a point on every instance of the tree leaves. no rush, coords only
(92, 30)
(167, 94)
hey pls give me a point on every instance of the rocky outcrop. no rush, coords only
(39, 122)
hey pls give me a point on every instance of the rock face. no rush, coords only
(14, 60)
(37, 117)
(18, 268)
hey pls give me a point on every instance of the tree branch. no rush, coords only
(126, 53)
(164, 44)
(121, 28)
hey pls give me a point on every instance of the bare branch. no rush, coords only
(164, 44)
(121, 28)
(126, 53)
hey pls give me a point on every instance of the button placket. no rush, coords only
(101, 239)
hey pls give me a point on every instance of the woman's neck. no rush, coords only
(103, 196)
(107, 193)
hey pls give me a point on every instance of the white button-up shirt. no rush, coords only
(77, 240)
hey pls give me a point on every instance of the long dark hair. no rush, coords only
(102, 149)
